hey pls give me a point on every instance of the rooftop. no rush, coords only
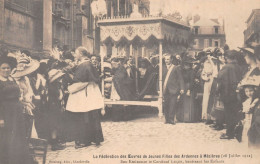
(141, 19)
(207, 22)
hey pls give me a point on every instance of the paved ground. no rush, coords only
(150, 136)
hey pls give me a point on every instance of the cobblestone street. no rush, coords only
(150, 136)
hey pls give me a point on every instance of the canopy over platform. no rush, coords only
(137, 34)
(145, 27)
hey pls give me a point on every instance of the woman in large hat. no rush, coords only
(26, 66)
(14, 147)
(254, 130)
(187, 111)
(211, 67)
(251, 61)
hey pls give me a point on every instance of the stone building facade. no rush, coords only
(252, 32)
(39, 25)
(207, 33)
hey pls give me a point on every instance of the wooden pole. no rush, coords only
(118, 8)
(125, 7)
(143, 52)
(102, 54)
(131, 50)
(160, 99)
(112, 9)
(136, 73)
(102, 65)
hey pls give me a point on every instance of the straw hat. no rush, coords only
(247, 50)
(251, 81)
(54, 74)
(25, 66)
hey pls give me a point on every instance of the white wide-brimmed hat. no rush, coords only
(251, 81)
(247, 50)
(25, 66)
(54, 74)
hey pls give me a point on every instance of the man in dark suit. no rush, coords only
(173, 86)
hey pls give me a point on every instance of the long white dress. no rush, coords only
(209, 72)
(246, 121)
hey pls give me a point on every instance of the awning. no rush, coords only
(129, 29)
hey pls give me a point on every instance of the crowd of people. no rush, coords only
(49, 99)
(220, 88)
(217, 86)
(58, 98)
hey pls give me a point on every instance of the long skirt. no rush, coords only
(246, 126)
(212, 96)
(205, 101)
(72, 122)
(93, 129)
(14, 146)
(84, 127)
(187, 111)
(41, 121)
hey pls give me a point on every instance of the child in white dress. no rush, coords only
(248, 106)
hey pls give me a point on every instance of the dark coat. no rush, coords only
(13, 142)
(123, 84)
(143, 82)
(175, 82)
(255, 72)
(133, 75)
(86, 72)
(189, 79)
(228, 78)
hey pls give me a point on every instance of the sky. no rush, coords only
(234, 12)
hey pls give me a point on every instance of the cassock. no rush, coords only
(86, 104)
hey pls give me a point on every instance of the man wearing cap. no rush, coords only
(228, 78)
(173, 86)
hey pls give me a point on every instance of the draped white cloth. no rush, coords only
(86, 100)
